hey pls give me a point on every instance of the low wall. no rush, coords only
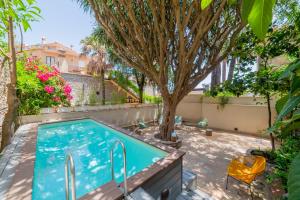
(243, 114)
(120, 115)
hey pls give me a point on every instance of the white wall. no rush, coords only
(243, 114)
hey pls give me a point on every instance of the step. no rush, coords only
(193, 195)
(140, 194)
(189, 180)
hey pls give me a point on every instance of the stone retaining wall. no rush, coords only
(86, 89)
(4, 79)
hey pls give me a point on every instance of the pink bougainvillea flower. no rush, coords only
(56, 99)
(49, 89)
(55, 69)
(29, 60)
(69, 97)
(67, 89)
(43, 77)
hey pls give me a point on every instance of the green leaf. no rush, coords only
(294, 179)
(246, 9)
(290, 105)
(291, 68)
(260, 17)
(205, 3)
(280, 103)
(295, 86)
(26, 25)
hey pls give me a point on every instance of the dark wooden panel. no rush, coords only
(169, 178)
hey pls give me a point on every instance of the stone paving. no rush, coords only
(209, 156)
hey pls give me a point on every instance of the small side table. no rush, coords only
(208, 132)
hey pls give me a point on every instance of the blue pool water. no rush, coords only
(89, 142)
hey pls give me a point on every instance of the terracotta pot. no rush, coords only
(173, 139)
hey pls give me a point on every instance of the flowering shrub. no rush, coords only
(40, 86)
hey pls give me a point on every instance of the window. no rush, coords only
(50, 60)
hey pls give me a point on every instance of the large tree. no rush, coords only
(174, 43)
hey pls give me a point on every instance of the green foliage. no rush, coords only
(22, 11)
(117, 99)
(288, 106)
(223, 100)
(266, 82)
(287, 127)
(283, 157)
(294, 179)
(205, 3)
(122, 80)
(152, 99)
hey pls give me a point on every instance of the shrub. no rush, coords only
(152, 99)
(40, 86)
(283, 157)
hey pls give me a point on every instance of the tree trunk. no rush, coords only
(215, 77)
(12, 101)
(259, 63)
(224, 65)
(270, 120)
(231, 69)
(141, 81)
(168, 120)
(102, 77)
(141, 94)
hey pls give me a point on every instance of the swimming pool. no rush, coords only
(89, 142)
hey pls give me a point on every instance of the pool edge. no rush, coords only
(134, 182)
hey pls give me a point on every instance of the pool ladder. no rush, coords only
(69, 160)
(118, 142)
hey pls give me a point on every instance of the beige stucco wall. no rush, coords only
(66, 59)
(244, 114)
(120, 115)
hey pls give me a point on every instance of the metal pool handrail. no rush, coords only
(118, 142)
(69, 159)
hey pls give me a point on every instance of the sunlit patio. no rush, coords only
(209, 156)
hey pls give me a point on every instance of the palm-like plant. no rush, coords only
(97, 65)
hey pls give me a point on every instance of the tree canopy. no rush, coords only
(176, 44)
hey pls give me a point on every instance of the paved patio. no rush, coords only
(208, 157)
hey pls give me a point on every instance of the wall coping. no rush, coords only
(242, 100)
(91, 108)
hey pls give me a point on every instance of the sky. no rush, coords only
(62, 21)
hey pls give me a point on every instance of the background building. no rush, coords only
(63, 57)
